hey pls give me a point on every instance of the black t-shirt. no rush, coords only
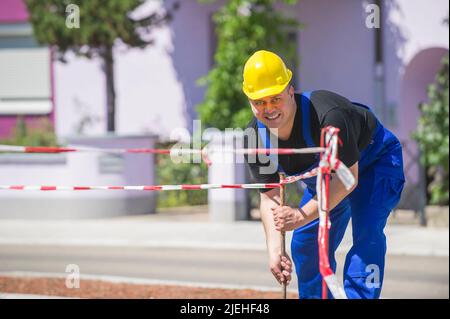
(355, 122)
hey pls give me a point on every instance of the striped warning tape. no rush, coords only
(135, 188)
(288, 180)
(172, 151)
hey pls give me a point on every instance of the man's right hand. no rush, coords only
(281, 267)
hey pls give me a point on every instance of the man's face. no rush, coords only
(275, 111)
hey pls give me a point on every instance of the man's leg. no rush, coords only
(304, 249)
(371, 203)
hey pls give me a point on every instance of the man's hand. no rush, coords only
(286, 218)
(277, 263)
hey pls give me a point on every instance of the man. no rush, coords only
(372, 153)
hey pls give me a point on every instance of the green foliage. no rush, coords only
(101, 24)
(242, 27)
(432, 135)
(40, 133)
(169, 172)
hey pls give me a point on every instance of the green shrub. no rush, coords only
(242, 27)
(168, 172)
(432, 136)
(38, 133)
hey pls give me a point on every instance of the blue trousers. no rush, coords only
(380, 184)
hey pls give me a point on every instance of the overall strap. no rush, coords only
(306, 118)
(265, 139)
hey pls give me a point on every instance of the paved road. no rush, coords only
(406, 276)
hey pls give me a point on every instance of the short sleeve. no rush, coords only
(348, 152)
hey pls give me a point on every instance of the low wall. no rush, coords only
(83, 169)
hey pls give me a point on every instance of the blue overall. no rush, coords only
(380, 183)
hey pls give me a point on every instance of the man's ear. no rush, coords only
(291, 90)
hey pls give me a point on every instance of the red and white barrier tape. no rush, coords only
(328, 162)
(135, 188)
(205, 152)
(172, 151)
(289, 180)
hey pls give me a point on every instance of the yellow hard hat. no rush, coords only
(265, 74)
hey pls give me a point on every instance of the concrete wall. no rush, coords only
(79, 169)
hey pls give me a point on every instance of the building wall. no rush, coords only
(415, 41)
(79, 97)
(156, 87)
(13, 11)
(23, 61)
(336, 49)
(412, 28)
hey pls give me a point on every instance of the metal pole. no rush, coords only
(283, 233)
(422, 190)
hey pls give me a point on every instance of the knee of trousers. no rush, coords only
(305, 248)
(364, 285)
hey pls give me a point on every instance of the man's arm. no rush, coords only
(288, 218)
(280, 266)
(269, 201)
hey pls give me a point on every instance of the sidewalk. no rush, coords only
(194, 231)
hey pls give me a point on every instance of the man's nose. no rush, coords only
(270, 107)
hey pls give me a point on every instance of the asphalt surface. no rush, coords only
(406, 276)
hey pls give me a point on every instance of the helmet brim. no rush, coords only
(273, 90)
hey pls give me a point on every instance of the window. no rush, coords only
(25, 85)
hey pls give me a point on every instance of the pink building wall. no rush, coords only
(12, 12)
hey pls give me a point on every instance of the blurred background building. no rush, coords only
(388, 68)
(44, 101)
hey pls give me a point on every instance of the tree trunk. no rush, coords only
(108, 59)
